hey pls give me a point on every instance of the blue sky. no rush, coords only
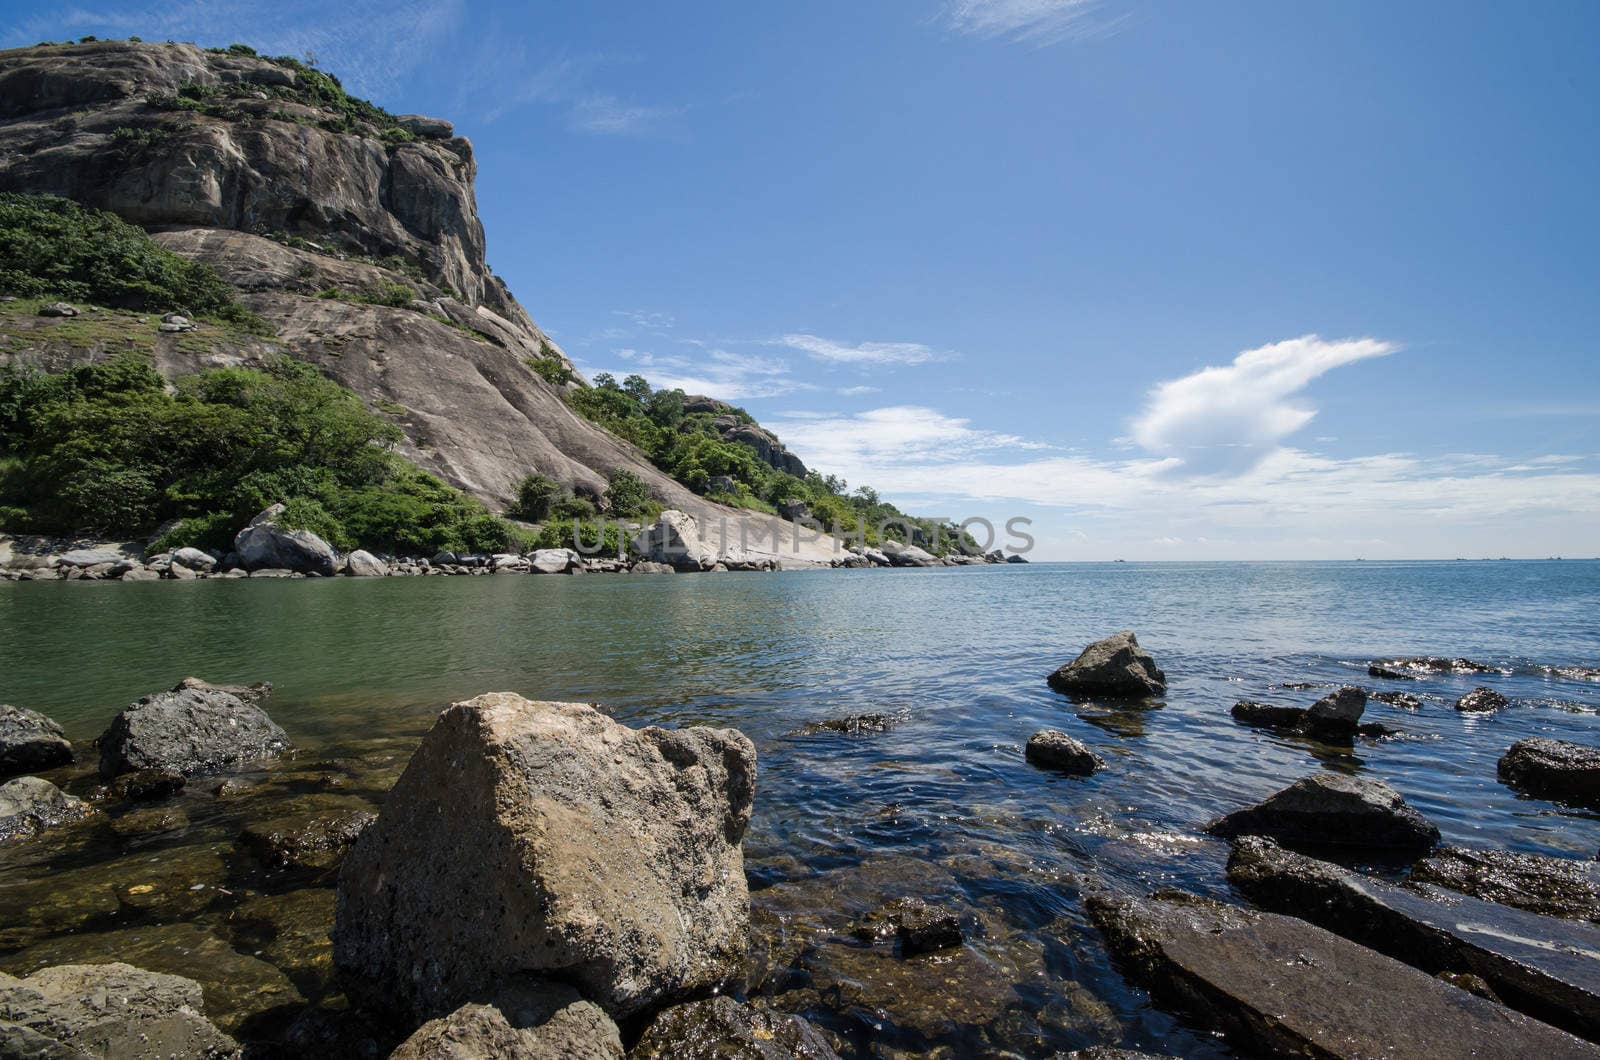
(1173, 280)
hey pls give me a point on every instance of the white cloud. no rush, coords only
(600, 113)
(1227, 419)
(857, 391)
(833, 352)
(1037, 22)
(717, 373)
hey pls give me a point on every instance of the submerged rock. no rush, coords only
(1334, 717)
(546, 838)
(317, 840)
(1437, 664)
(920, 927)
(147, 785)
(29, 805)
(1553, 769)
(1338, 713)
(525, 1022)
(1387, 673)
(190, 730)
(1115, 666)
(255, 693)
(1482, 700)
(29, 741)
(106, 1010)
(1278, 986)
(1333, 810)
(720, 1028)
(1269, 715)
(265, 545)
(1053, 749)
(1403, 700)
(1561, 887)
(1546, 967)
(852, 725)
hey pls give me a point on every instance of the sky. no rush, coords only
(1171, 280)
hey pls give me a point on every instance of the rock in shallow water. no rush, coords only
(106, 1010)
(1278, 986)
(521, 1022)
(30, 741)
(1546, 967)
(1563, 887)
(29, 805)
(266, 545)
(1482, 700)
(722, 1029)
(191, 730)
(1333, 810)
(1053, 749)
(310, 841)
(1115, 666)
(1553, 769)
(852, 725)
(546, 838)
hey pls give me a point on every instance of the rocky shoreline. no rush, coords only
(537, 879)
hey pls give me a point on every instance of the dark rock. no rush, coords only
(1472, 984)
(1553, 769)
(700, 403)
(147, 785)
(1482, 700)
(255, 693)
(1561, 887)
(190, 730)
(793, 510)
(1546, 967)
(852, 725)
(1052, 749)
(720, 1028)
(425, 128)
(1403, 700)
(534, 1021)
(1437, 664)
(1299, 686)
(1333, 810)
(545, 838)
(1337, 713)
(1268, 715)
(1278, 986)
(1115, 666)
(265, 545)
(1016, 558)
(29, 742)
(766, 446)
(72, 1012)
(29, 805)
(309, 841)
(920, 927)
(1389, 674)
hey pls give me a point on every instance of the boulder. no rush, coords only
(1115, 666)
(1337, 713)
(1279, 986)
(1435, 664)
(141, 574)
(1547, 968)
(921, 927)
(874, 556)
(1482, 700)
(311, 841)
(675, 539)
(29, 805)
(1334, 810)
(720, 1028)
(255, 693)
(555, 560)
(1016, 557)
(363, 564)
(75, 1011)
(29, 742)
(1553, 769)
(548, 1022)
(908, 555)
(264, 545)
(694, 403)
(91, 557)
(793, 509)
(1561, 887)
(1386, 673)
(545, 838)
(424, 128)
(178, 572)
(194, 559)
(1269, 715)
(645, 566)
(189, 730)
(1052, 749)
(58, 309)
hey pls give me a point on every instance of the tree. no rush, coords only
(637, 386)
(605, 381)
(628, 493)
(536, 495)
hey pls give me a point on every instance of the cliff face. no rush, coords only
(310, 203)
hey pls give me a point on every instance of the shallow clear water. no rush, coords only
(944, 805)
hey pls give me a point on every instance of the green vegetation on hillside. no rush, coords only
(52, 247)
(105, 447)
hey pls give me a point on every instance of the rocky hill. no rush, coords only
(351, 232)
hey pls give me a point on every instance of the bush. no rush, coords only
(393, 295)
(628, 494)
(536, 495)
(213, 530)
(592, 537)
(573, 506)
(551, 370)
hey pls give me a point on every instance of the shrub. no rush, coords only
(213, 530)
(628, 494)
(551, 370)
(592, 537)
(573, 506)
(536, 495)
(393, 295)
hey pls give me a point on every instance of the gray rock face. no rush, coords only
(91, 557)
(555, 560)
(189, 731)
(264, 545)
(29, 805)
(106, 1010)
(1482, 700)
(766, 445)
(426, 128)
(908, 555)
(676, 540)
(538, 1022)
(29, 741)
(1052, 749)
(194, 559)
(1278, 986)
(545, 838)
(1115, 666)
(1545, 967)
(1333, 810)
(722, 1029)
(363, 564)
(1562, 887)
(1553, 769)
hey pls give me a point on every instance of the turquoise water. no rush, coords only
(944, 803)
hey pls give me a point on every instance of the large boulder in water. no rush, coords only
(1338, 713)
(77, 1011)
(29, 805)
(1115, 666)
(1333, 810)
(363, 564)
(194, 729)
(1553, 769)
(545, 838)
(266, 545)
(30, 741)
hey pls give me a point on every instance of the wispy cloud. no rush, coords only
(1036, 22)
(515, 76)
(716, 372)
(864, 353)
(1227, 419)
(857, 391)
(606, 114)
